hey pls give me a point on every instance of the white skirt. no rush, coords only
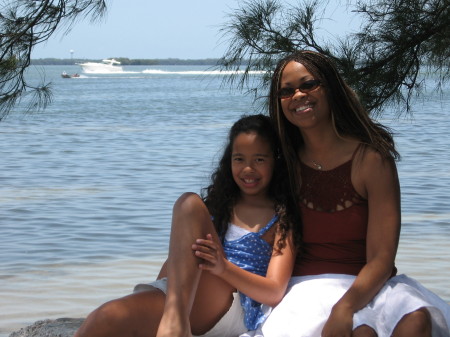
(309, 299)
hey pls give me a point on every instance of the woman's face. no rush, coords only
(304, 110)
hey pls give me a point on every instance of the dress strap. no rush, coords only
(356, 150)
(268, 226)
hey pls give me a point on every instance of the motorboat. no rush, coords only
(104, 67)
(66, 75)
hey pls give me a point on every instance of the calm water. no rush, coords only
(87, 186)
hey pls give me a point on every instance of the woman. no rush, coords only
(342, 170)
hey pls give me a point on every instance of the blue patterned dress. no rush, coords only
(251, 253)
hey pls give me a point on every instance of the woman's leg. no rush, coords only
(190, 221)
(364, 331)
(415, 324)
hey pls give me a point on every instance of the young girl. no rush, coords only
(243, 217)
(341, 164)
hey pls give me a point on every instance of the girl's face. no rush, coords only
(304, 110)
(252, 163)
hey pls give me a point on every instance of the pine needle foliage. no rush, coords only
(399, 45)
(23, 25)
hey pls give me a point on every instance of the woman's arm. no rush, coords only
(268, 290)
(377, 180)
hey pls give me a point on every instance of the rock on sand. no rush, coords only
(61, 327)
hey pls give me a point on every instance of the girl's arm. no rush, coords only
(379, 181)
(268, 290)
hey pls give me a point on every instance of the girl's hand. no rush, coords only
(339, 324)
(211, 253)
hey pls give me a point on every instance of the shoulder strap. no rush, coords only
(269, 225)
(356, 150)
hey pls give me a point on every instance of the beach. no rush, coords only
(88, 184)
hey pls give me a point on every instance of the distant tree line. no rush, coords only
(128, 62)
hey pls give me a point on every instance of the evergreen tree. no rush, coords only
(399, 45)
(24, 24)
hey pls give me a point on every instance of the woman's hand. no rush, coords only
(339, 324)
(211, 253)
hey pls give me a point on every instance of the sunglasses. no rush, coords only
(305, 87)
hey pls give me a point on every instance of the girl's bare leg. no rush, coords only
(190, 221)
(135, 315)
(139, 314)
(213, 299)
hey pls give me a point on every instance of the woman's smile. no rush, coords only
(303, 108)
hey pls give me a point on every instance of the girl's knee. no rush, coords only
(111, 312)
(103, 321)
(189, 202)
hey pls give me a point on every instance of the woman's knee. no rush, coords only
(417, 323)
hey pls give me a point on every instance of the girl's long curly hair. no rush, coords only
(223, 192)
(350, 118)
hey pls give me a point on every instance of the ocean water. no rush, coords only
(87, 186)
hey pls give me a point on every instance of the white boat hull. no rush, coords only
(101, 68)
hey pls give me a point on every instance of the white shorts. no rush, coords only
(230, 325)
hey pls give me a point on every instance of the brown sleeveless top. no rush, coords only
(335, 220)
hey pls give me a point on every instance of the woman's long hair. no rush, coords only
(349, 117)
(223, 192)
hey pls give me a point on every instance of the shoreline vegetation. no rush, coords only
(129, 62)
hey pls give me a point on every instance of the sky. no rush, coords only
(146, 29)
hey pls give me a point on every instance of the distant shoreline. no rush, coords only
(128, 62)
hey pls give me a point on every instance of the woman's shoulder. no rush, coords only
(370, 158)
(371, 167)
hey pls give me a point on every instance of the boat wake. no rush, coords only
(199, 72)
(110, 67)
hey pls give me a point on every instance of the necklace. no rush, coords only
(317, 165)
